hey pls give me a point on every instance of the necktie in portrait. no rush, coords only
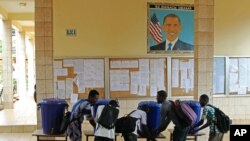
(169, 46)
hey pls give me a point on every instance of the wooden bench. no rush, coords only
(90, 133)
(189, 136)
(39, 133)
(160, 136)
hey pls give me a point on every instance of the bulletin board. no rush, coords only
(219, 73)
(182, 77)
(137, 77)
(77, 77)
(239, 75)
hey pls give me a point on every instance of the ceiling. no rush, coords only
(20, 12)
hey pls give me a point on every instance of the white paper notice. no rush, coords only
(61, 85)
(73, 98)
(233, 73)
(124, 64)
(175, 73)
(68, 63)
(242, 90)
(61, 72)
(142, 90)
(94, 72)
(119, 80)
(134, 82)
(78, 65)
(61, 93)
(153, 90)
(69, 87)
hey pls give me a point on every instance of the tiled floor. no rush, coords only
(24, 113)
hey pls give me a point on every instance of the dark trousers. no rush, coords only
(129, 137)
(97, 138)
(180, 133)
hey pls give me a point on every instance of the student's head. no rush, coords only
(93, 96)
(172, 26)
(144, 108)
(161, 96)
(204, 99)
(114, 103)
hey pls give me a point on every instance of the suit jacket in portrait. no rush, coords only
(179, 45)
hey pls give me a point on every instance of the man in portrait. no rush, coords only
(172, 26)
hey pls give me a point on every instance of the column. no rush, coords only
(7, 65)
(21, 64)
(30, 46)
(44, 51)
(204, 50)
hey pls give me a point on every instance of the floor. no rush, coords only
(24, 113)
(20, 119)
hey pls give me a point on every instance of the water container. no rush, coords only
(98, 103)
(195, 105)
(154, 114)
(52, 112)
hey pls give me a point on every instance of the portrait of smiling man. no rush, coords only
(172, 27)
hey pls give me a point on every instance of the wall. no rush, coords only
(104, 28)
(232, 30)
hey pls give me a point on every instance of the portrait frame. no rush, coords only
(156, 30)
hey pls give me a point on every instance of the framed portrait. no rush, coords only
(170, 28)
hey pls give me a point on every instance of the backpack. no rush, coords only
(184, 112)
(65, 122)
(68, 117)
(108, 117)
(222, 120)
(125, 124)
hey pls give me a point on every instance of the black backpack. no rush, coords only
(108, 117)
(223, 120)
(125, 124)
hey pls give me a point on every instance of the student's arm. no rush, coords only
(164, 121)
(92, 122)
(208, 123)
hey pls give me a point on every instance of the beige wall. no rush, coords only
(103, 32)
(232, 30)
(104, 28)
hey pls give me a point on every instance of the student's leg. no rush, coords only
(180, 133)
(216, 137)
(129, 137)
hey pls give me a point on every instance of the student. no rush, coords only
(172, 27)
(141, 124)
(80, 108)
(209, 114)
(168, 115)
(102, 133)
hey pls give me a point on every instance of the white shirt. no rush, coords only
(172, 42)
(142, 119)
(100, 131)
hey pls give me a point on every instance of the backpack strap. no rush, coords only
(131, 113)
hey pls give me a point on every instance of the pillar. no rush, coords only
(204, 50)
(7, 65)
(21, 64)
(44, 51)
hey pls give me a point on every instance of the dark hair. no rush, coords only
(93, 94)
(114, 103)
(162, 93)
(204, 97)
(173, 16)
